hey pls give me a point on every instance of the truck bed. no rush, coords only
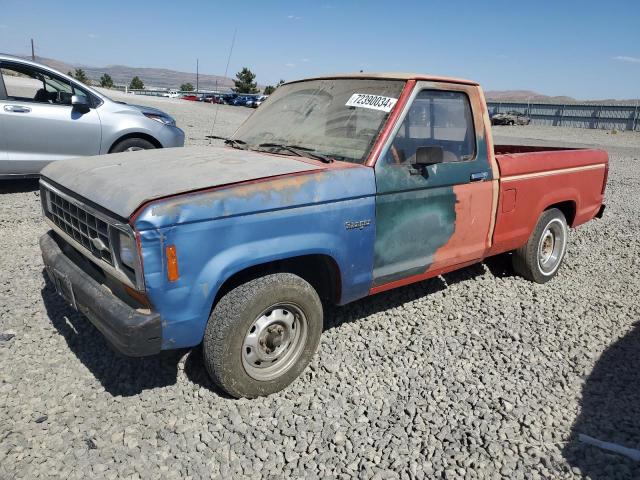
(533, 177)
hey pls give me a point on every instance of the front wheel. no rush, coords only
(539, 259)
(262, 334)
(132, 145)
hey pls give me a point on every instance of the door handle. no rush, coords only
(16, 109)
(479, 176)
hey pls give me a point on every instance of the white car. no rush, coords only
(172, 94)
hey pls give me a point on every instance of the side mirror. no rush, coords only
(80, 103)
(426, 156)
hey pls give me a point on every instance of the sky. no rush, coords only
(585, 49)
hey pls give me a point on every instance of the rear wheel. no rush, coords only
(539, 259)
(262, 334)
(132, 144)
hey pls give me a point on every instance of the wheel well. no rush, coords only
(144, 136)
(568, 209)
(321, 271)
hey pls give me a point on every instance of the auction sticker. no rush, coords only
(374, 102)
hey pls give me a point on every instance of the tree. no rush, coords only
(186, 87)
(136, 83)
(80, 76)
(106, 81)
(245, 82)
(269, 89)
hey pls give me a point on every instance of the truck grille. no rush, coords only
(85, 228)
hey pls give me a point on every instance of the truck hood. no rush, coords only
(121, 182)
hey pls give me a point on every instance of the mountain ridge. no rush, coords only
(152, 77)
(168, 78)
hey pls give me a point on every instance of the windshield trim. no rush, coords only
(390, 125)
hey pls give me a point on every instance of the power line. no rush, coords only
(226, 70)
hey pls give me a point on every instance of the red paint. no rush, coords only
(606, 177)
(517, 216)
(520, 203)
(508, 203)
(469, 240)
(390, 124)
(520, 160)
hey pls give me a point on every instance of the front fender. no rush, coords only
(210, 252)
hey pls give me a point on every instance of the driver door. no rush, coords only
(39, 123)
(433, 217)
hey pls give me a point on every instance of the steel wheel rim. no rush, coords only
(133, 149)
(274, 341)
(551, 246)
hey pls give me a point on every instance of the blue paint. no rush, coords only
(224, 231)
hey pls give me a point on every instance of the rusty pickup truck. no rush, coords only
(336, 188)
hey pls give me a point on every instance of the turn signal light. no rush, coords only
(172, 263)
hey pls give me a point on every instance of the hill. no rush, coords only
(535, 97)
(152, 77)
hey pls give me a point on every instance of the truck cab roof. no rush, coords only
(391, 76)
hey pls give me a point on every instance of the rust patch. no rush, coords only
(285, 187)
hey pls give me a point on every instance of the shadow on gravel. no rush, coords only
(196, 372)
(610, 412)
(361, 309)
(129, 376)
(500, 266)
(18, 186)
(118, 375)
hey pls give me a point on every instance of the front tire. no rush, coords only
(132, 145)
(540, 258)
(262, 334)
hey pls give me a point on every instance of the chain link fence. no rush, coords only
(608, 117)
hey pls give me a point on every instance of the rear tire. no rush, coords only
(262, 334)
(132, 144)
(540, 258)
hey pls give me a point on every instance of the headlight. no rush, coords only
(128, 251)
(163, 119)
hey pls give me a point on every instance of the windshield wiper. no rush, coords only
(232, 142)
(235, 143)
(297, 150)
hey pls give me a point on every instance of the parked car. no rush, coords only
(228, 98)
(510, 118)
(172, 94)
(255, 102)
(240, 101)
(192, 97)
(212, 98)
(46, 116)
(238, 248)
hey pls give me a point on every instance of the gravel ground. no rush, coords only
(477, 374)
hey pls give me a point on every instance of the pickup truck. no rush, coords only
(336, 188)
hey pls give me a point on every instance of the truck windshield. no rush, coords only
(335, 118)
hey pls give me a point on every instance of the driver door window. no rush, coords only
(25, 84)
(436, 118)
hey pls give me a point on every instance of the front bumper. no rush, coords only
(129, 331)
(170, 136)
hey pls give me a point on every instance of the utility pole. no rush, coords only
(33, 51)
(197, 75)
